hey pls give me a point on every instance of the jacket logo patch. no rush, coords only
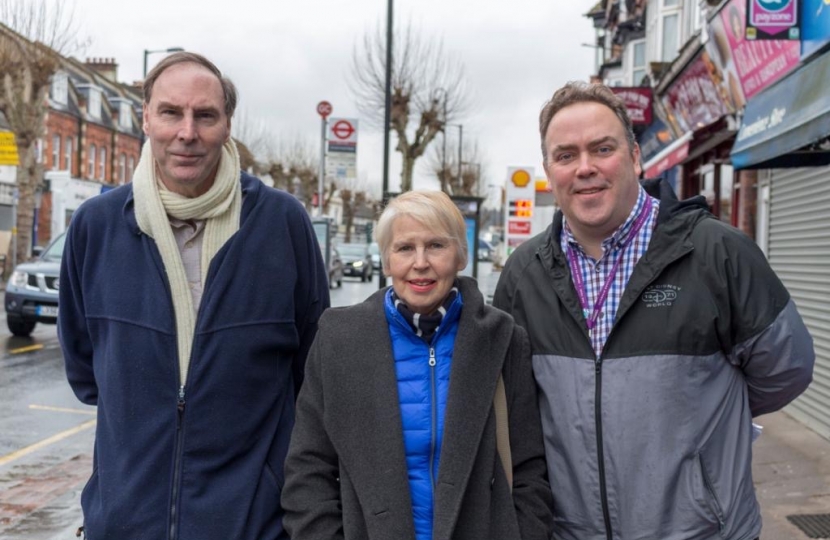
(660, 295)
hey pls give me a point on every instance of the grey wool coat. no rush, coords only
(346, 475)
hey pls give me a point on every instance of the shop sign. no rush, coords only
(756, 64)
(815, 25)
(638, 101)
(694, 100)
(772, 19)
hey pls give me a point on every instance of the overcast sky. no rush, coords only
(286, 56)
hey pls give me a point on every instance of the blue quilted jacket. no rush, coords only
(423, 374)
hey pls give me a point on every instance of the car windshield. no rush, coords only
(353, 250)
(374, 249)
(55, 250)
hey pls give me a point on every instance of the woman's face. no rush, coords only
(422, 264)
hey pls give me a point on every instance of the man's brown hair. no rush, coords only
(228, 88)
(582, 92)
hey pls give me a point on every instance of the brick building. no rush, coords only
(92, 141)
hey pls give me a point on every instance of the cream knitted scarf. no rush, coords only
(221, 207)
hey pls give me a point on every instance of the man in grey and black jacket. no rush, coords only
(658, 333)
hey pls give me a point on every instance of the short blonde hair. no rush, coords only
(434, 209)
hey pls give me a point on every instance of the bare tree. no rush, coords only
(445, 169)
(253, 133)
(34, 34)
(428, 88)
(294, 165)
(353, 196)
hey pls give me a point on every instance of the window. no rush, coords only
(125, 118)
(638, 61)
(60, 88)
(90, 167)
(671, 3)
(94, 108)
(56, 152)
(67, 155)
(130, 170)
(670, 37)
(122, 168)
(102, 169)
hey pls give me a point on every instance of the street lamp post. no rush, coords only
(387, 114)
(148, 53)
(460, 148)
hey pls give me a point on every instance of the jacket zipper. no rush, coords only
(434, 415)
(600, 453)
(711, 489)
(177, 467)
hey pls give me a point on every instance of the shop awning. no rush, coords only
(784, 118)
(670, 156)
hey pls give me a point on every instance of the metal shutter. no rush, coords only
(799, 252)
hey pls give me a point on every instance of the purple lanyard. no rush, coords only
(579, 281)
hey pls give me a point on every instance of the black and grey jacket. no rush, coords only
(652, 439)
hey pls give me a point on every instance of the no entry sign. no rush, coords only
(324, 108)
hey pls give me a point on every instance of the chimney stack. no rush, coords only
(104, 66)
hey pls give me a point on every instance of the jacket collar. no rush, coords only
(251, 187)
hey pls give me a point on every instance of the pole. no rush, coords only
(387, 115)
(444, 140)
(14, 228)
(460, 148)
(322, 172)
(146, 52)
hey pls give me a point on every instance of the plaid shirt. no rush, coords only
(595, 273)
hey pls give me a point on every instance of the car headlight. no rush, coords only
(19, 279)
(357, 264)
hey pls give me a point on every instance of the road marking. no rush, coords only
(8, 458)
(62, 409)
(28, 348)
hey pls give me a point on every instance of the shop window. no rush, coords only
(130, 169)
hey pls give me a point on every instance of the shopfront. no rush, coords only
(785, 136)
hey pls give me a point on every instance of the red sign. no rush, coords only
(694, 100)
(757, 64)
(675, 156)
(342, 129)
(518, 227)
(637, 103)
(324, 108)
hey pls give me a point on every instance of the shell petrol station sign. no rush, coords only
(519, 199)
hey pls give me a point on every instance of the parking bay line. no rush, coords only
(28, 348)
(63, 409)
(17, 454)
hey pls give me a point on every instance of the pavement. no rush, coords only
(791, 469)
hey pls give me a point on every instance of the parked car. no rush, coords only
(357, 262)
(32, 290)
(374, 251)
(335, 269)
(485, 250)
